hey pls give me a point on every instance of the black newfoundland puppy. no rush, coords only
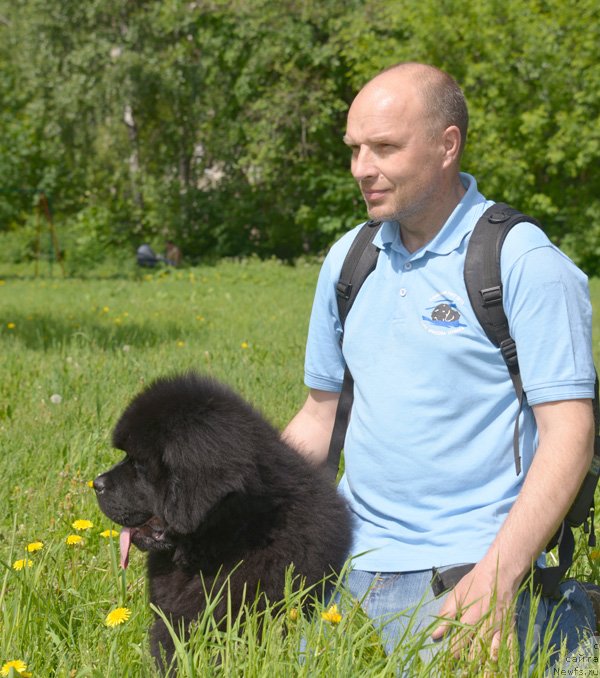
(209, 489)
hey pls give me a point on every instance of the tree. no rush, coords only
(218, 123)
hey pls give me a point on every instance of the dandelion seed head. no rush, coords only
(56, 399)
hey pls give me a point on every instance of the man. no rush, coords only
(429, 470)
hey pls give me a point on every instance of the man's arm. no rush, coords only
(309, 431)
(563, 457)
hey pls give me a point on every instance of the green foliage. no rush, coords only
(218, 124)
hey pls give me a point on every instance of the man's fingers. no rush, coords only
(495, 645)
(448, 611)
(440, 631)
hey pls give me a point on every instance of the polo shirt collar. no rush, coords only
(450, 236)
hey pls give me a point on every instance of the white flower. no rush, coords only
(56, 399)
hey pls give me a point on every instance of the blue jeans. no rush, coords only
(384, 595)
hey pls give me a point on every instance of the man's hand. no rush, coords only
(563, 455)
(482, 598)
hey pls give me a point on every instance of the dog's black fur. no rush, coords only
(210, 485)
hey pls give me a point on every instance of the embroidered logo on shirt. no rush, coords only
(442, 315)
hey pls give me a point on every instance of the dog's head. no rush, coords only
(186, 449)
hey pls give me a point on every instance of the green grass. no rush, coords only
(94, 343)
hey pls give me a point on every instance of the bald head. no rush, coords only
(443, 102)
(406, 128)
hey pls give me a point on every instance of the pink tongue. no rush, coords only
(124, 544)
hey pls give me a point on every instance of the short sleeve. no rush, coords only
(324, 363)
(547, 303)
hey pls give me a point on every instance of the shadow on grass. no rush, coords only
(41, 331)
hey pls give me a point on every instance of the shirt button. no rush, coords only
(408, 265)
(403, 292)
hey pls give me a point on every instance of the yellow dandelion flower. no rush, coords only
(200, 318)
(105, 309)
(109, 533)
(16, 664)
(73, 539)
(83, 524)
(244, 344)
(181, 344)
(11, 326)
(117, 616)
(2, 282)
(595, 554)
(35, 546)
(293, 614)
(332, 615)
(20, 564)
(90, 483)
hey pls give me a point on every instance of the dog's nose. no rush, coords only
(100, 483)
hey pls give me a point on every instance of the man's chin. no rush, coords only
(379, 213)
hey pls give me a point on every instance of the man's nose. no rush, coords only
(363, 164)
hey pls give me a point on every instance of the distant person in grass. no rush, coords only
(172, 254)
(429, 466)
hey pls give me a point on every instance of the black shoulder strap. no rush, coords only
(359, 263)
(484, 286)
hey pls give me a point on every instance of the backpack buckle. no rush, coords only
(509, 351)
(492, 296)
(343, 290)
(498, 217)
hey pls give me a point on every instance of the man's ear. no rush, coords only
(451, 139)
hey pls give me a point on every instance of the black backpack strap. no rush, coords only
(484, 286)
(359, 263)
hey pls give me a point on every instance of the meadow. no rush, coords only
(74, 352)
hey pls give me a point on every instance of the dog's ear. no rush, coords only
(197, 482)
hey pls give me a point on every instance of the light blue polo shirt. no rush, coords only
(429, 466)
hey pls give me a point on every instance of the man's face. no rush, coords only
(395, 160)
